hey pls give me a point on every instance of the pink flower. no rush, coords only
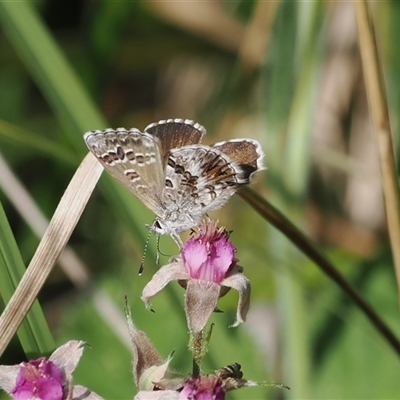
(47, 379)
(204, 387)
(210, 256)
(39, 378)
(207, 268)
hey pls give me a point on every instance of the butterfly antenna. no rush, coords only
(146, 245)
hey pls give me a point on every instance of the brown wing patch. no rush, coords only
(247, 153)
(176, 133)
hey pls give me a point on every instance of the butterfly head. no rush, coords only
(164, 227)
(157, 227)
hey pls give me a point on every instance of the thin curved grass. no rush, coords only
(40, 145)
(298, 238)
(70, 101)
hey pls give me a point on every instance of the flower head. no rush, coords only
(39, 379)
(47, 379)
(207, 268)
(210, 255)
(203, 387)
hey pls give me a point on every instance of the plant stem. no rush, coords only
(276, 218)
(196, 345)
(381, 127)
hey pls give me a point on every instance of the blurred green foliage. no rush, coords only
(137, 65)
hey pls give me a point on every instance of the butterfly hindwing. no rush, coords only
(201, 178)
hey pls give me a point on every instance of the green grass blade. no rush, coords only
(49, 67)
(23, 138)
(61, 87)
(58, 82)
(34, 333)
(293, 161)
(376, 93)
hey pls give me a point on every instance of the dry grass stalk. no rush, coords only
(257, 34)
(54, 240)
(206, 19)
(69, 261)
(301, 241)
(381, 124)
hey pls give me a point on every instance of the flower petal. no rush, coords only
(223, 258)
(8, 375)
(82, 393)
(194, 255)
(48, 389)
(158, 395)
(238, 281)
(153, 375)
(200, 300)
(67, 356)
(172, 271)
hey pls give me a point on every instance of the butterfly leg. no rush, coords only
(177, 240)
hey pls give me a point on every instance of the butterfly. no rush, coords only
(172, 173)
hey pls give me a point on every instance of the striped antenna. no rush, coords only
(146, 245)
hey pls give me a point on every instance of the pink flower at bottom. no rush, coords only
(204, 387)
(47, 379)
(40, 379)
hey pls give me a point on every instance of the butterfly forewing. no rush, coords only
(175, 133)
(134, 159)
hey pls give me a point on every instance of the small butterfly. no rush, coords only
(174, 175)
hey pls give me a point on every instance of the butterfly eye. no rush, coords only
(158, 227)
